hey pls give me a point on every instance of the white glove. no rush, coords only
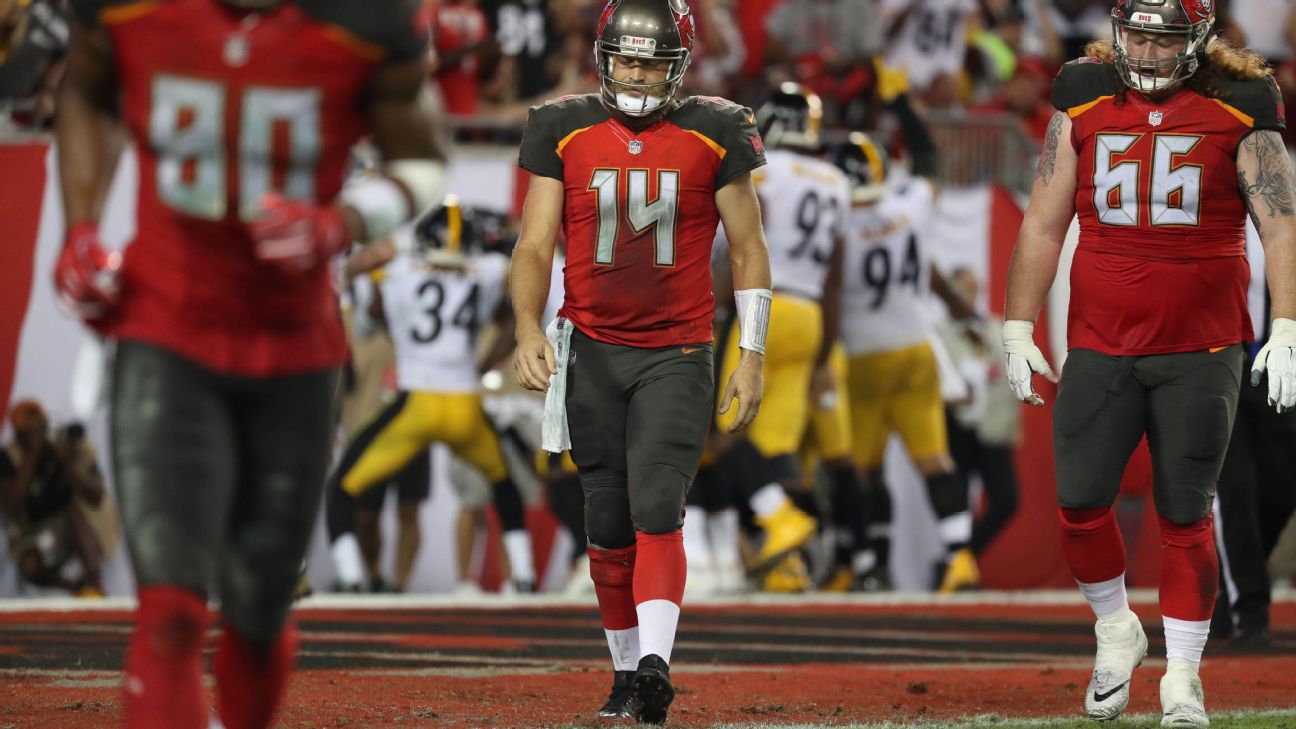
(1024, 360)
(1278, 356)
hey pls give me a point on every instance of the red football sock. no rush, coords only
(250, 677)
(1092, 544)
(658, 590)
(1189, 569)
(164, 661)
(662, 568)
(613, 573)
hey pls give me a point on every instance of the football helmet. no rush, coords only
(792, 116)
(451, 232)
(650, 29)
(1191, 20)
(864, 163)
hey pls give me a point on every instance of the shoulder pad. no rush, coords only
(549, 123)
(1082, 81)
(392, 25)
(1257, 98)
(89, 12)
(730, 126)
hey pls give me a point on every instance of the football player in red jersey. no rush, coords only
(1165, 139)
(243, 113)
(638, 181)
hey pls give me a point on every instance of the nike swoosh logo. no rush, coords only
(1107, 695)
(690, 350)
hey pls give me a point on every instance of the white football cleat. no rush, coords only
(1182, 699)
(1122, 645)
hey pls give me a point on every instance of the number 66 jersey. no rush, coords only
(1161, 263)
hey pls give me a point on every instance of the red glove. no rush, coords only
(297, 236)
(86, 273)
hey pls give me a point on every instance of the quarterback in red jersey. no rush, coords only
(638, 181)
(1164, 140)
(244, 113)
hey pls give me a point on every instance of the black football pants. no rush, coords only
(219, 478)
(638, 418)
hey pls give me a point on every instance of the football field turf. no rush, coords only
(987, 659)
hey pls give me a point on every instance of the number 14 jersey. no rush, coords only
(1161, 263)
(639, 212)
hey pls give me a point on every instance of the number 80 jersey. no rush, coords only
(639, 212)
(222, 108)
(1161, 263)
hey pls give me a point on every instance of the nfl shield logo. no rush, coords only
(1154, 118)
(636, 146)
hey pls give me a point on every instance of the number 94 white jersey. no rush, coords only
(886, 278)
(805, 201)
(434, 315)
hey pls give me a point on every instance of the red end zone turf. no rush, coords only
(752, 665)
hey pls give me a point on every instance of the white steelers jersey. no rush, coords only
(556, 291)
(886, 280)
(434, 315)
(804, 201)
(933, 39)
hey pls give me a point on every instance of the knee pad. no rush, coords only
(607, 518)
(657, 506)
(612, 567)
(508, 505)
(947, 494)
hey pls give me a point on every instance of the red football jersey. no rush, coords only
(639, 212)
(1161, 263)
(224, 106)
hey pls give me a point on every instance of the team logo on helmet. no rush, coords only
(1198, 10)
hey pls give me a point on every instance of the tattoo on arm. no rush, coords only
(1048, 155)
(1273, 183)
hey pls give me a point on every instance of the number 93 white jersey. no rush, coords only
(886, 278)
(805, 201)
(434, 315)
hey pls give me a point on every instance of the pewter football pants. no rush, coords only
(219, 478)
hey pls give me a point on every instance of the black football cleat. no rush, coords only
(618, 703)
(652, 692)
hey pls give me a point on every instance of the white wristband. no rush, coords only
(753, 318)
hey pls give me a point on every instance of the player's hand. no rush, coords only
(746, 384)
(297, 236)
(86, 275)
(1024, 361)
(1278, 358)
(534, 361)
(823, 387)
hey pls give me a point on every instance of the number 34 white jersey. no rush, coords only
(434, 315)
(805, 201)
(886, 278)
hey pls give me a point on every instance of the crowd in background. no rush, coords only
(492, 59)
